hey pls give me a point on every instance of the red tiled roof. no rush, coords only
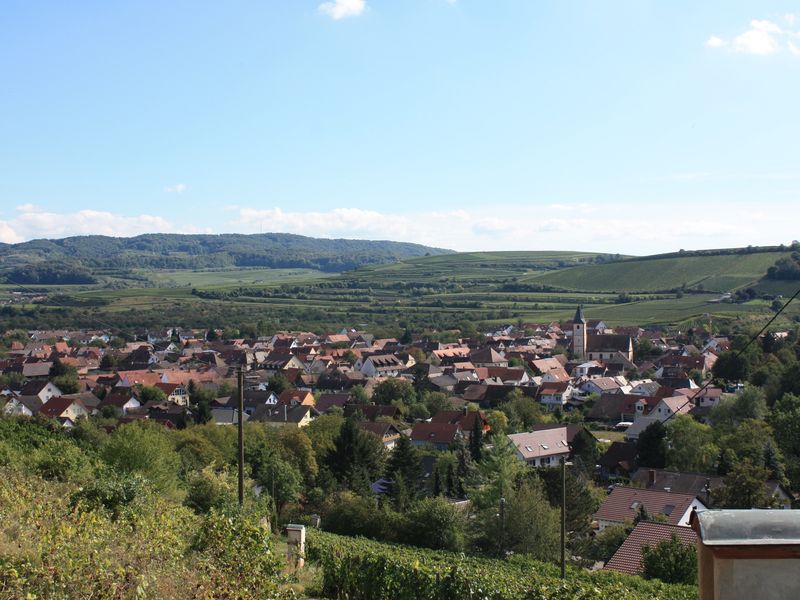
(628, 558)
(622, 504)
(435, 433)
(57, 405)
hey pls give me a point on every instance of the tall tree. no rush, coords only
(744, 487)
(404, 462)
(584, 451)
(476, 439)
(356, 456)
(691, 445)
(652, 446)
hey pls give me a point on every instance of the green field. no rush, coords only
(436, 292)
(721, 273)
(231, 277)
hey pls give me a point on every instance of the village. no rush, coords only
(560, 394)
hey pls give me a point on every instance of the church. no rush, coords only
(603, 347)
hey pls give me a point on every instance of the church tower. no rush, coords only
(579, 334)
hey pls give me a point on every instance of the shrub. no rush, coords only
(211, 490)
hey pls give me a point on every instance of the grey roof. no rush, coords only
(749, 527)
(579, 318)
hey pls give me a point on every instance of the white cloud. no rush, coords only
(178, 188)
(765, 26)
(339, 9)
(33, 223)
(759, 39)
(625, 228)
(763, 38)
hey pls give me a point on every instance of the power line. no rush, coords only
(737, 355)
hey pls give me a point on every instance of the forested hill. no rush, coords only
(174, 251)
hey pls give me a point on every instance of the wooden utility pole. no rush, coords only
(240, 395)
(563, 517)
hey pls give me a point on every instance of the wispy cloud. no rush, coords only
(340, 9)
(32, 222)
(178, 188)
(629, 228)
(762, 38)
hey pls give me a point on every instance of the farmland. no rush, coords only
(719, 273)
(435, 292)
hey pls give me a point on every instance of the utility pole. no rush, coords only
(563, 517)
(240, 395)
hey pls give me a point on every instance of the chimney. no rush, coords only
(651, 478)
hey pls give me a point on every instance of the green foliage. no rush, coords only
(652, 446)
(149, 393)
(404, 462)
(353, 515)
(212, 490)
(532, 526)
(146, 449)
(111, 492)
(584, 451)
(744, 487)
(68, 384)
(522, 412)
(356, 458)
(730, 412)
(236, 558)
(358, 568)
(691, 445)
(608, 541)
(390, 390)
(671, 561)
(114, 542)
(433, 523)
(61, 460)
(168, 251)
(731, 367)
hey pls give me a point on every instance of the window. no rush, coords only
(668, 509)
(544, 446)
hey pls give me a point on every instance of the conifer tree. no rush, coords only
(476, 439)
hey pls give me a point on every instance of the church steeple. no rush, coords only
(579, 334)
(579, 318)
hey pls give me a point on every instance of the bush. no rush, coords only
(236, 559)
(211, 490)
(111, 492)
(146, 449)
(671, 561)
(61, 460)
(434, 523)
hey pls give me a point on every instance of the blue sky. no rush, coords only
(626, 126)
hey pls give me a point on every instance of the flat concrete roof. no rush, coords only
(749, 527)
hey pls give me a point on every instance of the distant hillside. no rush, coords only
(478, 266)
(724, 271)
(32, 262)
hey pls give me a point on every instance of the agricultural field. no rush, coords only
(435, 292)
(230, 277)
(720, 273)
